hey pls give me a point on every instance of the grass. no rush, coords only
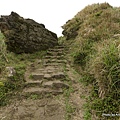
(87, 114)
(9, 85)
(106, 69)
(96, 54)
(69, 107)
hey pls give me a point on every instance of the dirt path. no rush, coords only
(45, 94)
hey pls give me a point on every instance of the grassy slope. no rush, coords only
(10, 85)
(96, 49)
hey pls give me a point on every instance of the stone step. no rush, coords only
(58, 75)
(41, 91)
(56, 50)
(54, 75)
(54, 60)
(52, 64)
(54, 57)
(48, 69)
(53, 68)
(50, 74)
(55, 53)
(59, 46)
(40, 71)
(33, 83)
(55, 84)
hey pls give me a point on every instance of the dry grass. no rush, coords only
(96, 48)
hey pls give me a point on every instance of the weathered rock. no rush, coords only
(10, 71)
(116, 36)
(59, 84)
(33, 83)
(41, 91)
(54, 57)
(54, 53)
(48, 84)
(69, 35)
(26, 35)
(55, 84)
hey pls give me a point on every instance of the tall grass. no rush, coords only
(97, 51)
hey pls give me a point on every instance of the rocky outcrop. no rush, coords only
(70, 31)
(26, 35)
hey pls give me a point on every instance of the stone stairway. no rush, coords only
(48, 79)
(41, 97)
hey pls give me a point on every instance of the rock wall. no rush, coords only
(26, 35)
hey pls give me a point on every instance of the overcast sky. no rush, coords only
(52, 13)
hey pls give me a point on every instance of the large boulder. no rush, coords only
(26, 35)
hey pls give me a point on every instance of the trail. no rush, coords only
(43, 96)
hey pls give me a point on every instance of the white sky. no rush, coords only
(52, 13)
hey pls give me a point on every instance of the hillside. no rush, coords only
(77, 79)
(93, 37)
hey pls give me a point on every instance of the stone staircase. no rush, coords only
(45, 79)
(48, 79)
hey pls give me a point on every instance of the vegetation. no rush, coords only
(95, 51)
(12, 84)
(93, 39)
(69, 107)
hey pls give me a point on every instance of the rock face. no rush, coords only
(70, 32)
(26, 35)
